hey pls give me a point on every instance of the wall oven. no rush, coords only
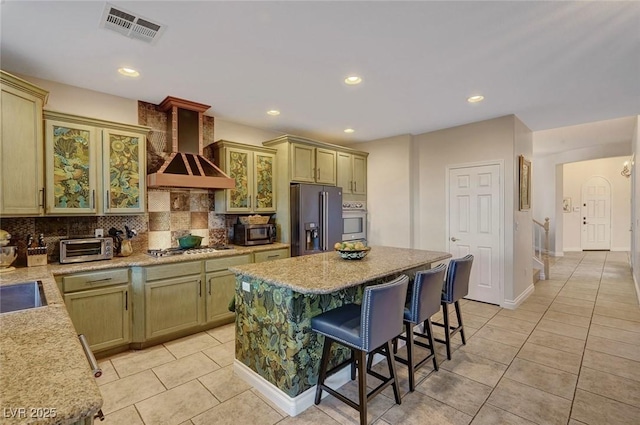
(354, 221)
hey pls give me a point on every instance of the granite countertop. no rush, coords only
(327, 272)
(42, 363)
(43, 369)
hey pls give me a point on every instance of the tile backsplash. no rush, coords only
(171, 213)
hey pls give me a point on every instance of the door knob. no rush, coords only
(453, 239)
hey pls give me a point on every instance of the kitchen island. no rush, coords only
(275, 302)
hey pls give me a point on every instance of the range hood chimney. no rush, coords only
(186, 166)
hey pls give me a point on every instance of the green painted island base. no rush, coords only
(275, 302)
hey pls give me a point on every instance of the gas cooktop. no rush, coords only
(166, 252)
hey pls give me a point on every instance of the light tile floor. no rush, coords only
(570, 354)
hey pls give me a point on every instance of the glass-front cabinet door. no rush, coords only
(71, 161)
(239, 167)
(264, 187)
(124, 172)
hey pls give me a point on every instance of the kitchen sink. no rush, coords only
(21, 296)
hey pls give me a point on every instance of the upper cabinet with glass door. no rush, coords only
(252, 168)
(94, 166)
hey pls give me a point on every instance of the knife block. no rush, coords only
(36, 256)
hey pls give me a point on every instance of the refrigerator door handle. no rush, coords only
(325, 219)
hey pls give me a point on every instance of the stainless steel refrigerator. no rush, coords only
(316, 218)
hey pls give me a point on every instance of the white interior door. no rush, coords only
(474, 227)
(596, 214)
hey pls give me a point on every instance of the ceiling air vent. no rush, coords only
(130, 24)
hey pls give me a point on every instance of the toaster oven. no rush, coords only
(85, 249)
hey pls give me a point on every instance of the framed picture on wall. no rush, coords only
(525, 184)
(566, 204)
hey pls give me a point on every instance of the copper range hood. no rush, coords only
(186, 166)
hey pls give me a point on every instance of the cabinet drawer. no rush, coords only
(225, 263)
(83, 281)
(276, 254)
(167, 271)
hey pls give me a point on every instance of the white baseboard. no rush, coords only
(557, 254)
(618, 249)
(578, 249)
(513, 304)
(293, 406)
(635, 281)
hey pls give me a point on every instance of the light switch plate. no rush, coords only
(99, 233)
(246, 286)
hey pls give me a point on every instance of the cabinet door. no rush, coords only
(172, 305)
(326, 166)
(264, 182)
(71, 168)
(124, 172)
(221, 288)
(21, 153)
(303, 163)
(359, 175)
(239, 169)
(344, 166)
(102, 315)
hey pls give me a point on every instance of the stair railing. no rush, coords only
(541, 245)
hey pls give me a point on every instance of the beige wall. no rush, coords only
(635, 250)
(523, 224)
(575, 175)
(486, 141)
(227, 130)
(87, 103)
(389, 191)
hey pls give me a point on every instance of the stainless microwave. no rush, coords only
(254, 234)
(85, 249)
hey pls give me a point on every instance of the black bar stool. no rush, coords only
(456, 286)
(424, 302)
(363, 328)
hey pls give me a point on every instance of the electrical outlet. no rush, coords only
(99, 233)
(246, 287)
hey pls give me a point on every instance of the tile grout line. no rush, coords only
(575, 390)
(516, 356)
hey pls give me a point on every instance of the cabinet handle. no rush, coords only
(249, 204)
(355, 186)
(273, 256)
(209, 285)
(199, 287)
(106, 206)
(93, 199)
(318, 176)
(42, 204)
(126, 300)
(351, 185)
(91, 282)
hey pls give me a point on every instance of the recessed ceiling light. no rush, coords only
(273, 112)
(353, 80)
(475, 99)
(349, 130)
(129, 72)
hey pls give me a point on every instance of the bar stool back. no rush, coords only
(424, 302)
(456, 286)
(363, 328)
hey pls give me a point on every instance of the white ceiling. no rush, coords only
(553, 64)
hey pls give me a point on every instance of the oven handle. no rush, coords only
(95, 369)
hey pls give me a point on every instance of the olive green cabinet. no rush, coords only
(352, 173)
(173, 298)
(94, 166)
(310, 164)
(220, 287)
(271, 255)
(253, 169)
(21, 147)
(99, 306)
